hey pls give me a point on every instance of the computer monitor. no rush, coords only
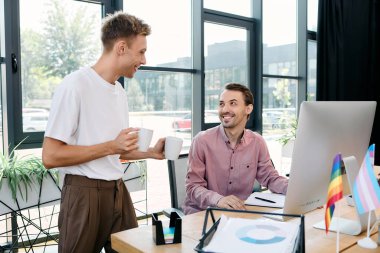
(324, 130)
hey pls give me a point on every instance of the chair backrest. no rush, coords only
(177, 175)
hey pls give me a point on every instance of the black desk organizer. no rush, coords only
(158, 231)
(207, 235)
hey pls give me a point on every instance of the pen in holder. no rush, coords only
(175, 227)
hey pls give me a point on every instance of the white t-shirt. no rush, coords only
(87, 110)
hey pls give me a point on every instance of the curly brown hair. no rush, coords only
(121, 25)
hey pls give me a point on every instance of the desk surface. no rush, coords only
(141, 240)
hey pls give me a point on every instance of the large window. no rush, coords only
(162, 101)
(312, 15)
(312, 25)
(160, 94)
(56, 37)
(237, 7)
(312, 70)
(288, 60)
(169, 45)
(226, 61)
(228, 56)
(279, 37)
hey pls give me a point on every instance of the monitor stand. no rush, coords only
(346, 226)
(359, 223)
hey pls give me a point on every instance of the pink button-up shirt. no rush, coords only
(216, 170)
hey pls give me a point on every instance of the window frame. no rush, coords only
(12, 105)
(254, 83)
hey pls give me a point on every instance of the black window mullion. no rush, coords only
(166, 69)
(12, 54)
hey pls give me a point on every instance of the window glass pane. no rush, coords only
(279, 37)
(238, 7)
(160, 101)
(169, 45)
(312, 70)
(312, 15)
(166, 96)
(57, 38)
(279, 114)
(225, 61)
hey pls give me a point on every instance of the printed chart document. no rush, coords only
(266, 199)
(247, 235)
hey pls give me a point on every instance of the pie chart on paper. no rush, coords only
(260, 234)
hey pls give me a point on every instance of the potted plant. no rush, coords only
(287, 140)
(25, 183)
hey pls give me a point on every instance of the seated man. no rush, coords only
(224, 161)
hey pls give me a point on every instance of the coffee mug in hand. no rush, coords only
(145, 137)
(173, 146)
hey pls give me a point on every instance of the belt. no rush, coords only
(76, 180)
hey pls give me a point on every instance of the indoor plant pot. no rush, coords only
(25, 183)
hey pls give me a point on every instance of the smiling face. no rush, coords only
(132, 55)
(233, 112)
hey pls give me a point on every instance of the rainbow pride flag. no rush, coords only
(366, 191)
(335, 192)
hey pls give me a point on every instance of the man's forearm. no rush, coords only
(203, 197)
(61, 155)
(136, 155)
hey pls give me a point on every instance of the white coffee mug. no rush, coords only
(145, 137)
(173, 146)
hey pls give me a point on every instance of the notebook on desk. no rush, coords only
(267, 199)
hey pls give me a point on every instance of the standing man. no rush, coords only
(88, 132)
(224, 161)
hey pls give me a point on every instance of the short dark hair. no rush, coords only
(121, 25)
(248, 96)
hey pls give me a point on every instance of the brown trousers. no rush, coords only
(92, 209)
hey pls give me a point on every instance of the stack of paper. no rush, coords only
(169, 234)
(246, 235)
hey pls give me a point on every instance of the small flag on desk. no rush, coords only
(335, 192)
(366, 191)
